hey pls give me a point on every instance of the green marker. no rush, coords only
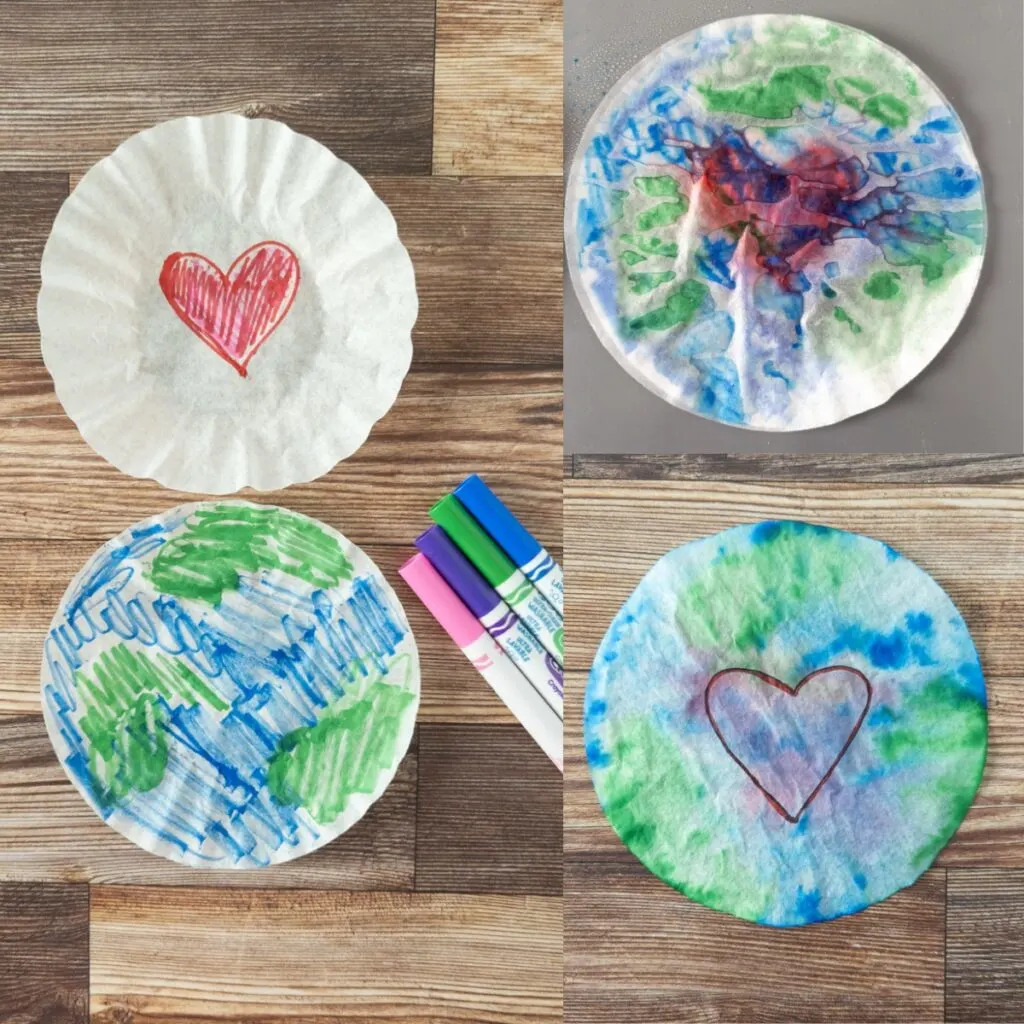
(527, 602)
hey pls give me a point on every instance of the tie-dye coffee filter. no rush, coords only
(775, 222)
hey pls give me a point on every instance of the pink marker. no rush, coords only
(515, 691)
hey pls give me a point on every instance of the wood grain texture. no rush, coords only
(28, 204)
(44, 954)
(230, 955)
(636, 950)
(488, 259)
(440, 429)
(889, 469)
(490, 813)
(985, 946)
(498, 87)
(970, 538)
(78, 78)
(49, 833)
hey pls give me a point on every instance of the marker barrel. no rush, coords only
(494, 614)
(537, 615)
(514, 539)
(498, 670)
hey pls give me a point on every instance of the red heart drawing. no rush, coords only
(233, 313)
(788, 741)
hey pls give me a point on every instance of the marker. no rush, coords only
(538, 616)
(514, 539)
(487, 657)
(495, 616)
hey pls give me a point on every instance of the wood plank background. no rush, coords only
(444, 902)
(950, 948)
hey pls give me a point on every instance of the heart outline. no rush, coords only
(168, 278)
(792, 692)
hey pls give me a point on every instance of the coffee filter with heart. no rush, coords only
(786, 722)
(225, 304)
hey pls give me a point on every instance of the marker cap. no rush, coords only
(477, 594)
(442, 602)
(475, 544)
(494, 516)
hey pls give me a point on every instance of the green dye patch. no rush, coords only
(662, 215)
(931, 257)
(651, 245)
(679, 309)
(888, 109)
(654, 797)
(883, 285)
(828, 291)
(641, 284)
(123, 722)
(321, 767)
(853, 90)
(661, 185)
(844, 318)
(631, 259)
(221, 543)
(617, 205)
(743, 597)
(942, 724)
(776, 98)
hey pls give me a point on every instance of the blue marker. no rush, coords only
(515, 540)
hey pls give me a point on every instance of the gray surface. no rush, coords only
(970, 398)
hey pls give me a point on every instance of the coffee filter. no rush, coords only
(151, 395)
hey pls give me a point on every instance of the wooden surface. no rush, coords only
(499, 64)
(444, 902)
(949, 948)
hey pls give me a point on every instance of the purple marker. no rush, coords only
(495, 616)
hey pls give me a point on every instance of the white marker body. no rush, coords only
(538, 616)
(516, 693)
(526, 651)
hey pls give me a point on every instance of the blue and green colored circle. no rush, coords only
(702, 749)
(230, 685)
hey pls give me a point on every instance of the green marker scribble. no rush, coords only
(777, 98)
(679, 309)
(124, 722)
(883, 285)
(853, 90)
(661, 185)
(641, 284)
(844, 318)
(931, 257)
(662, 215)
(938, 726)
(221, 543)
(320, 767)
(651, 245)
(888, 109)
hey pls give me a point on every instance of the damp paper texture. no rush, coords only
(225, 304)
(786, 722)
(775, 222)
(230, 685)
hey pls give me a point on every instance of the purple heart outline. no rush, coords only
(794, 693)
